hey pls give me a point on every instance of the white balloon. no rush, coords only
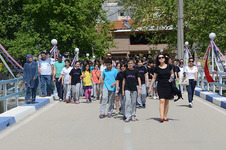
(186, 43)
(94, 57)
(87, 55)
(54, 41)
(76, 50)
(212, 36)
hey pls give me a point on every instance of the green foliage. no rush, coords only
(28, 26)
(201, 17)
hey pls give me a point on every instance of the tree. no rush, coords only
(201, 17)
(27, 26)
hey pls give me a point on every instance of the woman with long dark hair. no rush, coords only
(191, 74)
(165, 75)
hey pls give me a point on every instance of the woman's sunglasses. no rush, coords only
(161, 57)
(191, 61)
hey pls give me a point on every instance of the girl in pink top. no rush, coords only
(96, 82)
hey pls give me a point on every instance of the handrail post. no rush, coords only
(16, 91)
(220, 81)
(202, 74)
(4, 94)
(214, 88)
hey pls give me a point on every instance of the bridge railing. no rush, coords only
(220, 77)
(11, 88)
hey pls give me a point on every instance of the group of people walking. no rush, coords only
(120, 84)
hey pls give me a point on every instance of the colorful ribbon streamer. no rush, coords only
(74, 60)
(10, 62)
(11, 57)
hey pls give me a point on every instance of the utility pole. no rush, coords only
(180, 29)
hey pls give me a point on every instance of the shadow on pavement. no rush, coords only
(183, 106)
(157, 119)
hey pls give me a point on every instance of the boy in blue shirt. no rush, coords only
(108, 89)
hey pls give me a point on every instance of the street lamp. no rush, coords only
(161, 50)
(212, 36)
(186, 43)
(87, 55)
(77, 50)
(54, 42)
(94, 57)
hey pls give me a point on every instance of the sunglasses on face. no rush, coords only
(191, 61)
(161, 57)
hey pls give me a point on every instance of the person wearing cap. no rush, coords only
(58, 66)
(30, 79)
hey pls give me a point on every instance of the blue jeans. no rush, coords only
(191, 89)
(45, 84)
(59, 87)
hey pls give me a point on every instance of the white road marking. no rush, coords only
(128, 145)
(20, 124)
(127, 129)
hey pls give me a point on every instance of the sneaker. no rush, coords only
(67, 100)
(144, 105)
(190, 105)
(101, 116)
(74, 100)
(87, 101)
(109, 115)
(90, 100)
(140, 107)
(127, 119)
(154, 97)
(77, 102)
(60, 100)
(133, 118)
(117, 112)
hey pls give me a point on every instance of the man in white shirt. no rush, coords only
(45, 69)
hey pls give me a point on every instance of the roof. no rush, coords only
(119, 24)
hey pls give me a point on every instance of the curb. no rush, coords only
(16, 114)
(211, 97)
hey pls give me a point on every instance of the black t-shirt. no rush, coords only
(131, 77)
(75, 76)
(150, 70)
(142, 70)
(120, 78)
(176, 70)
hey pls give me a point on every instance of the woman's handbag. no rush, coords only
(184, 82)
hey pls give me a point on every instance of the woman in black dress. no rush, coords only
(165, 74)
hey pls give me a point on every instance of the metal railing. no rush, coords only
(220, 77)
(11, 88)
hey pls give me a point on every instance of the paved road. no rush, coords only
(61, 126)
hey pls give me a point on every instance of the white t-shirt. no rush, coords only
(191, 73)
(45, 66)
(65, 71)
(181, 73)
(102, 67)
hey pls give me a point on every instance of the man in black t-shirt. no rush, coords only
(141, 99)
(176, 71)
(129, 89)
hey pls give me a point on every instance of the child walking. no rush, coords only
(119, 80)
(96, 82)
(87, 82)
(75, 82)
(65, 80)
(141, 99)
(108, 89)
(129, 90)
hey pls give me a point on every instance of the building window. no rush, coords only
(158, 38)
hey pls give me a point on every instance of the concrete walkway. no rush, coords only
(60, 126)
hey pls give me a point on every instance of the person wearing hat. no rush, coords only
(30, 79)
(58, 66)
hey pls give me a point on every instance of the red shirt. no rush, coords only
(94, 75)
